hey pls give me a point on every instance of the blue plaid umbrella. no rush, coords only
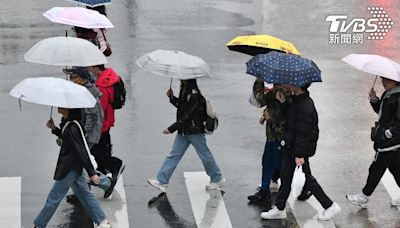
(281, 68)
(91, 3)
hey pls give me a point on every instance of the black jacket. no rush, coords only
(73, 154)
(301, 128)
(190, 115)
(389, 109)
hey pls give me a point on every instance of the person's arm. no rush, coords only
(394, 129)
(75, 137)
(259, 93)
(91, 116)
(307, 131)
(192, 105)
(374, 100)
(101, 38)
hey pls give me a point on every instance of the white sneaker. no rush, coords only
(395, 203)
(358, 199)
(215, 185)
(104, 224)
(155, 183)
(330, 212)
(274, 213)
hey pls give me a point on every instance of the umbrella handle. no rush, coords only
(376, 77)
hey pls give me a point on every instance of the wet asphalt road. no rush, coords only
(200, 28)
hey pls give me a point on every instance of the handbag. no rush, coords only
(298, 181)
(374, 131)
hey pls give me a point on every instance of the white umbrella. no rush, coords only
(53, 92)
(78, 16)
(175, 64)
(65, 51)
(375, 64)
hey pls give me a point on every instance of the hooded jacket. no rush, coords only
(105, 82)
(388, 108)
(92, 118)
(73, 155)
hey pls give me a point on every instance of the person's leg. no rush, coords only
(277, 162)
(179, 148)
(200, 145)
(287, 170)
(394, 167)
(268, 166)
(312, 185)
(112, 164)
(376, 171)
(99, 153)
(88, 200)
(56, 194)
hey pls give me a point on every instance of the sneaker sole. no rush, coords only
(162, 190)
(362, 205)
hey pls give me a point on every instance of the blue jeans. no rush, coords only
(271, 162)
(60, 188)
(179, 148)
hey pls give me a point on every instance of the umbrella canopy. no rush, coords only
(91, 3)
(78, 16)
(175, 64)
(374, 64)
(260, 44)
(65, 51)
(280, 68)
(53, 92)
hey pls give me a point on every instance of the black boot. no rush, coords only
(260, 197)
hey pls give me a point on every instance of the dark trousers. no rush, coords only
(271, 164)
(383, 160)
(102, 154)
(287, 169)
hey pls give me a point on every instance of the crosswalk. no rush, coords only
(208, 206)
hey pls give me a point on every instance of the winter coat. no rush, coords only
(73, 155)
(92, 118)
(301, 128)
(275, 126)
(191, 114)
(388, 132)
(105, 82)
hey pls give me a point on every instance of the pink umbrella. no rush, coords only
(78, 16)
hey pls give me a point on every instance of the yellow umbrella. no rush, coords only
(260, 44)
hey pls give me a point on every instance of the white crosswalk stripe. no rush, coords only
(391, 186)
(115, 208)
(208, 206)
(10, 201)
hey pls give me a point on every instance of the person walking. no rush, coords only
(92, 118)
(190, 117)
(386, 137)
(275, 122)
(298, 145)
(73, 158)
(106, 78)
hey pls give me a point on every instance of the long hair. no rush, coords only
(101, 9)
(187, 89)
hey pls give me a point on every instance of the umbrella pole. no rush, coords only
(51, 112)
(376, 77)
(170, 85)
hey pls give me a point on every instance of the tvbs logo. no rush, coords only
(376, 27)
(339, 24)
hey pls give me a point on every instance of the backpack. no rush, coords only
(211, 123)
(119, 94)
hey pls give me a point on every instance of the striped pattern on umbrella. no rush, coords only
(175, 64)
